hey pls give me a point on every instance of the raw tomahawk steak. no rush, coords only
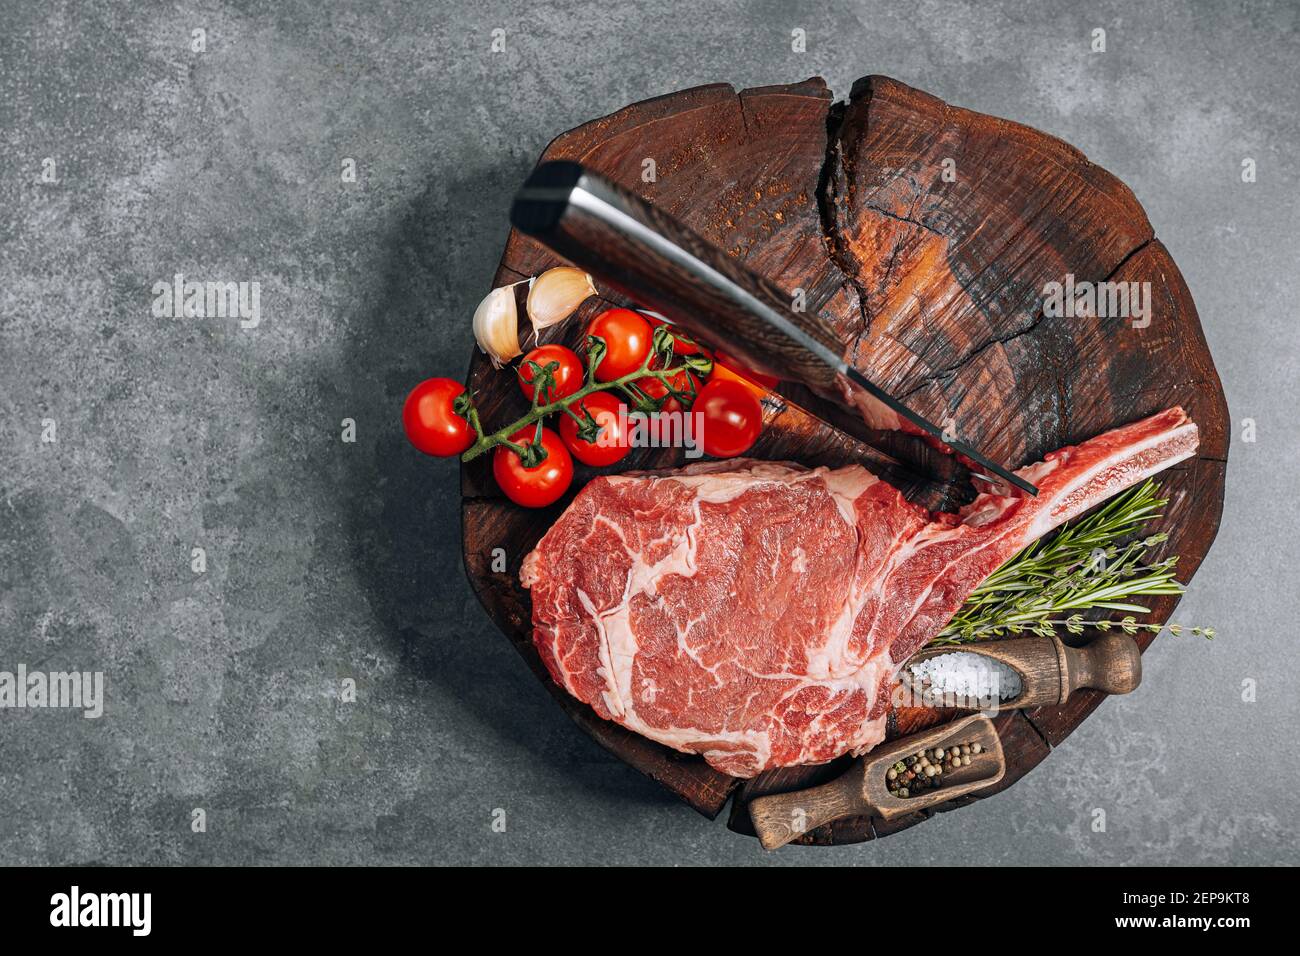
(758, 613)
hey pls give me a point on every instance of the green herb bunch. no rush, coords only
(1095, 563)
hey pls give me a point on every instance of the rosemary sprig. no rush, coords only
(1095, 563)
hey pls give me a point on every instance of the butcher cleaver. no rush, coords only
(648, 256)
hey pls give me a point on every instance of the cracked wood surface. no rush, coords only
(936, 288)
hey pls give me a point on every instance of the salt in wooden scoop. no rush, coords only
(1049, 670)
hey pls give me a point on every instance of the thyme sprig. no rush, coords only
(1095, 563)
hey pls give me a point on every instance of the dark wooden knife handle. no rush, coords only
(643, 253)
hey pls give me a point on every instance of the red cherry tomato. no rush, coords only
(682, 382)
(733, 418)
(611, 444)
(568, 373)
(430, 418)
(627, 338)
(544, 483)
(683, 344)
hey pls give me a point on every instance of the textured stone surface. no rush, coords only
(330, 560)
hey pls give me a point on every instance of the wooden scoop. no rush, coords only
(1049, 669)
(863, 790)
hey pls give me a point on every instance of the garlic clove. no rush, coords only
(554, 294)
(496, 326)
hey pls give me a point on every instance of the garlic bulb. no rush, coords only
(496, 325)
(554, 295)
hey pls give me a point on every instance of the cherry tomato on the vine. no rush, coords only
(568, 374)
(545, 482)
(611, 443)
(655, 388)
(733, 417)
(683, 344)
(627, 337)
(430, 419)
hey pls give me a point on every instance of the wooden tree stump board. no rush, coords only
(925, 234)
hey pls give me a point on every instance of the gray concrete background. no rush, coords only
(329, 560)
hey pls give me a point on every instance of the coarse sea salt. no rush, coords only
(964, 674)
